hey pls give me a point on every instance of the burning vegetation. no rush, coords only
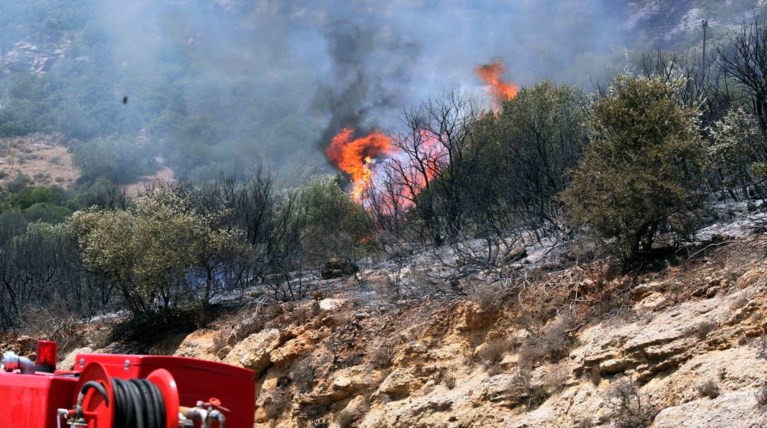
(414, 160)
(492, 75)
(355, 156)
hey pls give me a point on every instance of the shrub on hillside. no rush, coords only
(553, 343)
(628, 407)
(642, 170)
(335, 226)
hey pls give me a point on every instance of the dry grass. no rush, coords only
(554, 343)
(595, 375)
(703, 329)
(556, 378)
(219, 342)
(42, 157)
(163, 176)
(493, 352)
(54, 322)
(449, 380)
(488, 298)
(628, 407)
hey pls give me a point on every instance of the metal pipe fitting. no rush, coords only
(12, 362)
(216, 415)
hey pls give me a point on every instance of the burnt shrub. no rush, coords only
(552, 344)
(492, 353)
(708, 389)
(303, 374)
(628, 407)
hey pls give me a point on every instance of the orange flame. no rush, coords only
(397, 182)
(492, 74)
(354, 156)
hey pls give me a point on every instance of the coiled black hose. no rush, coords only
(138, 404)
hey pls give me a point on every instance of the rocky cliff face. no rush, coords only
(26, 57)
(677, 346)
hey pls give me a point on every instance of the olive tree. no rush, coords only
(335, 225)
(160, 252)
(541, 135)
(738, 151)
(642, 168)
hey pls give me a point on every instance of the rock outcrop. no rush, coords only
(688, 339)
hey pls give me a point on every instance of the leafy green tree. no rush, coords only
(335, 225)
(28, 108)
(38, 194)
(642, 169)
(46, 212)
(12, 223)
(117, 159)
(160, 252)
(739, 149)
(540, 136)
(19, 183)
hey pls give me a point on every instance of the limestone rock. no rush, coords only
(69, 361)
(351, 379)
(356, 407)
(254, 352)
(397, 385)
(504, 389)
(734, 410)
(288, 352)
(198, 344)
(331, 304)
(346, 383)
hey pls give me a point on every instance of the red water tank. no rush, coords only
(196, 380)
(31, 400)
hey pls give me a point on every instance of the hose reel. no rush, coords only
(106, 402)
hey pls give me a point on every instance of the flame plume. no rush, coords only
(354, 156)
(492, 74)
(423, 162)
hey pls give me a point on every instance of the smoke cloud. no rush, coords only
(219, 84)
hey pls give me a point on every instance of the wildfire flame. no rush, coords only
(492, 74)
(357, 156)
(354, 156)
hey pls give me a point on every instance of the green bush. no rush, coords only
(642, 169)
(116, 159)
(46, 212)
(336, 226)
(39, 194)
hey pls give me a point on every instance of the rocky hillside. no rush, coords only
(544, 342)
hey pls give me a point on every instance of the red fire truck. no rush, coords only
(130, 391)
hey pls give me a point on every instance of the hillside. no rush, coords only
(43, 158)
(431, 225)
(545, 344)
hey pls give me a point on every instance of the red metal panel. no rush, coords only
(31, 400)
(196, 380)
